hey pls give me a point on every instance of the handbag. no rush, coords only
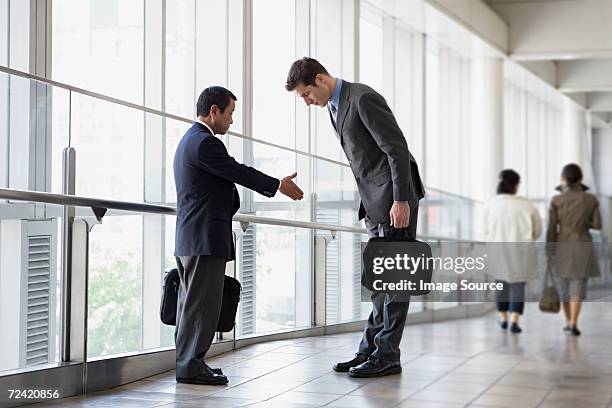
(229, 304)
(390, 246)
(549, 301)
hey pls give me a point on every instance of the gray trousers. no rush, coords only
(384, 328)
(197, 311)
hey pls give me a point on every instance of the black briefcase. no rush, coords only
(229, 305)
(390, 247)
(167, 308)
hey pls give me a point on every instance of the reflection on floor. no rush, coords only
(459, 363)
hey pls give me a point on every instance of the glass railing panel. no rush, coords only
(343, 299)
(273, 265)
(128, 257)
(115, 293)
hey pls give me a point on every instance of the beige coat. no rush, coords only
(572, 213)
(510, 224)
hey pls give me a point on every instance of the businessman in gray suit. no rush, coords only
(390, 188)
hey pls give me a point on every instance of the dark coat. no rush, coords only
(384, 168)
(206, 196)
(572, 213)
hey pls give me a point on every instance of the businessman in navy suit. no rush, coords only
(205, 176)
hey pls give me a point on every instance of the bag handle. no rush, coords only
(549, 274)
(400, 233)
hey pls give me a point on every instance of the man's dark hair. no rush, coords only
(304, 71)
(213, 95)
(508, 180)
(572, 173)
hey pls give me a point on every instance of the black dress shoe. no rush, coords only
(206, 377)
(574, 331)
(347, 365)
(375, 367)
(503, 324)
(214, 370)
(515, 328)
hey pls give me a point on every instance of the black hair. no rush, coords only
(304, 71)
(508, 180)
(213, 95)
(572, 173)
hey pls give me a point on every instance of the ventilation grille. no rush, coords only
(332, 283)
(247, 279)
(37, 315)
(357, 261)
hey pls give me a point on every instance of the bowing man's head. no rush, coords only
(310, 81)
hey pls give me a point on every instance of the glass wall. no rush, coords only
(532, 134)
(99, 45)
(448, 119)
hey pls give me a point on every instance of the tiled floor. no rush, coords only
(459, 363)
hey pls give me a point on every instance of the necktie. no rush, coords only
(334, 112)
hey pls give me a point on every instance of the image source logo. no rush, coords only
(397, 267)
(407, 267)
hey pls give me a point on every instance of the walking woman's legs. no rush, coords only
(575, 306)
(567, 313)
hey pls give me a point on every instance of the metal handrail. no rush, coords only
(79, 201)
(97, 203)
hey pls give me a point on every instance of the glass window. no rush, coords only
(99, 45)
(109, 142)
(532, 130)
(181, 47)
(371, 47)
(273, 53)
(448, 116)
(4, 32)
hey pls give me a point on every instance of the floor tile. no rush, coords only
(447, 364)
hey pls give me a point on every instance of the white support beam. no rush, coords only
(600, 101)
(556, 30)
(585, 75)
(545, 70)
(580, 98)
(477, 17)
(601, 120)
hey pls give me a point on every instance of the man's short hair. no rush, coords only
(304, 71)
(213, 95)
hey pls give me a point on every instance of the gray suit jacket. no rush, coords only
(377, 152)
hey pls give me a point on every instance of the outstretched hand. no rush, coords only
(290, 189)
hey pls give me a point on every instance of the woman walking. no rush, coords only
(512, 223)
(572, 213)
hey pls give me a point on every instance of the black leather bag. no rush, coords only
(167, 309)
(389, 246)
(229, 305)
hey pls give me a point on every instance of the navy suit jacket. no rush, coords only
(206, 196)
